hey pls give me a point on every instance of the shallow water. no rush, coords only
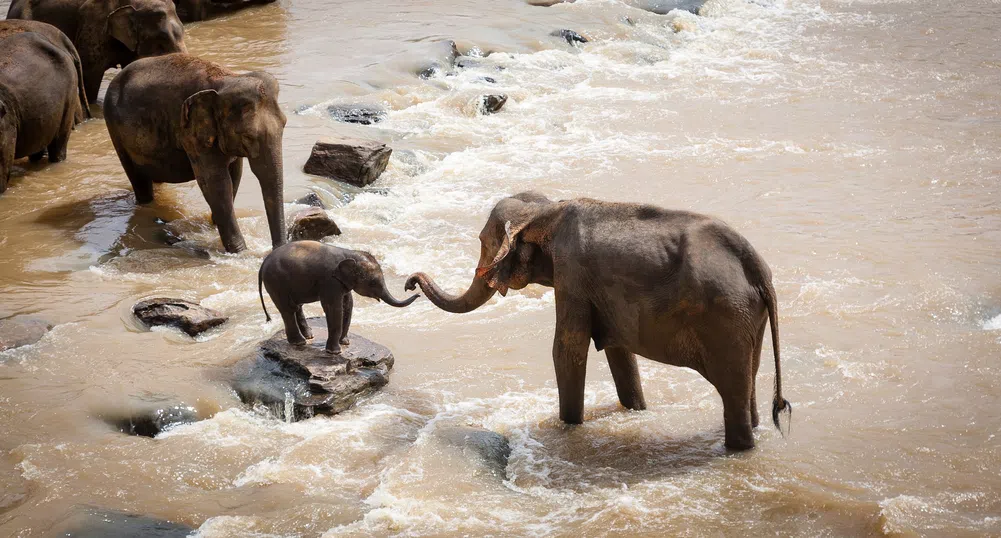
(855, 143)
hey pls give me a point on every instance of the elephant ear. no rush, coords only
(121, 28)
(198, 122)
(494, 274)
(349, 272)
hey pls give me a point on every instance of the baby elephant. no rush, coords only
(308, 271)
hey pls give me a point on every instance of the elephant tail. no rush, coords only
(260, 292)
(779, 403)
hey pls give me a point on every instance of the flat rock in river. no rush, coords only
(21, 332)
(191, 318)
(299, 381)
(354, 161)
(92, 522)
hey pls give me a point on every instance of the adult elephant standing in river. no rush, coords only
(198, 10)
(108, 33)
(35, 118)
(676, 287)
(178, 118)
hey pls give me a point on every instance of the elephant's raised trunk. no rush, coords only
(474, 297)
(388, 298)
(268, 169)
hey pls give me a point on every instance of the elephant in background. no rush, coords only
(178, 118)
(676, 287)
(308, 271)
(108, 33)
(35, 118)
(59, 39)
(199, 10)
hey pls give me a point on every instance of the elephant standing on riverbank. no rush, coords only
(59, 39)
(178, 118)
(108, 33)
(35, 117)
(676, 287)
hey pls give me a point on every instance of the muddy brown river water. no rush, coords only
(856, 143)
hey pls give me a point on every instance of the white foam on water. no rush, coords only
(993, 324)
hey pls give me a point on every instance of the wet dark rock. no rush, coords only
(92, 522)
(307, 380)
(491, 447)
(148, 421)
(312, 199)
(360, 114)
(354, 161)
(571, 37)
(312, 224)
(445, 54)
(663, 7)
(547, 3)
(492, 103)
(191, 318)
(19, 332)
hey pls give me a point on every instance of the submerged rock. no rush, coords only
(312, 199)
(359, 114)
(663, 7)
(445, 54)
(492, 103)
(93, 522)
(298, 382)
(354, 161)
(151, 421)
(571, 37)
(21, 332)
(191, 318)
(312, 224)
(491, 447)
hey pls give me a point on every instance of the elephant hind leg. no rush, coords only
(142, 185)
(729, 369)
(626, 374)
(288, 311)
(755, 362)
(57, 148)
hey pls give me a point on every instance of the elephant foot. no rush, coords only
(345, 341)
(308, 335)
(334, 351)
(297, 343)
(739, 437)
(35, 157)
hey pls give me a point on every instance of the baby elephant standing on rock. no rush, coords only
(308, 271)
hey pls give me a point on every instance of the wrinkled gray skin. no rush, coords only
(308, 271)
(35, 118)
(199, 10)
(59, 39)
(676, 287)
(108, 33)
(178, 118)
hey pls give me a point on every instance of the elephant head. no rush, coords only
(514, 252)
(363, 275)
(146, 27)
(241, 118)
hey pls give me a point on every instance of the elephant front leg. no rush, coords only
(333, 309)
(213, 178)
(235, 175)
(573, 336)
(349, 306)
(626, 374)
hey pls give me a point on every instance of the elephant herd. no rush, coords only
(676, 287)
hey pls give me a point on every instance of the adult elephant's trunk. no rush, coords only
(474, 297)
(268, 169)
(388, 298)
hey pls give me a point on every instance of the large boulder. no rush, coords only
(352, 160)
(191, 318)
(92, 522)
(21, 332)
(313, 224)
(299, 381)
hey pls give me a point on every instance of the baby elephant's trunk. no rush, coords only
(388, 298)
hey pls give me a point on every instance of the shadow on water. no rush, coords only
(111, 226)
